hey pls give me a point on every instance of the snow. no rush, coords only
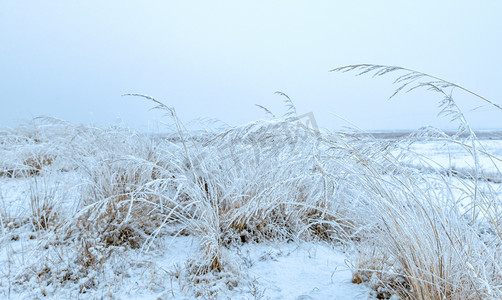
(272, 270)
(447, 155)
(277, 271)
(305, 271)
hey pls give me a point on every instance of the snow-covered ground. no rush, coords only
(450, 155)
(272, 270)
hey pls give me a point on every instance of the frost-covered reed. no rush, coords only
(413, 228)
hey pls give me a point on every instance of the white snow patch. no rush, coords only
(303, 271)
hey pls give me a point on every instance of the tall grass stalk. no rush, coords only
(414, 227)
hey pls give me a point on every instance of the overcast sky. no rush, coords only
(215, 59)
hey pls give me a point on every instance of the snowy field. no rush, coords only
(108, 213)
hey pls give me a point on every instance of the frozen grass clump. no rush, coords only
(437, 229)
(415, 227)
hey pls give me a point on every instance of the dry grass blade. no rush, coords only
(409, 78)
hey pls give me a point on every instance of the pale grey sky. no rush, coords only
(74, 59)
